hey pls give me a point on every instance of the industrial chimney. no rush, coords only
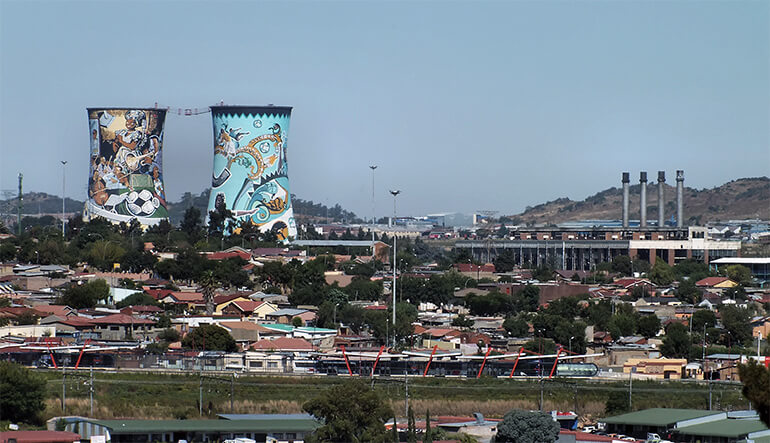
(679, 198)
(643, 199)
(625, 181)
(661, 198)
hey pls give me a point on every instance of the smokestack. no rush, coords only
(643, 199)
(625, 182)
(679, 198)
(661, 198)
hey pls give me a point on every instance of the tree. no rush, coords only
(516, 326)
(688, 292)
(617, 403)
(527, 427)
(191, 224)
(622, 325)
(210, 338)
(427, 437)
(411, 431)
(208, 284)
(622, 265)
(505, 261)
(137, 299)
(661, 273)
(86, 295)
(756, 388)
(676, 343)
(649, 326)
(22, 393)
(703, 317)
(351, 412)
(739, 274)
(461, 321)
(736, 323)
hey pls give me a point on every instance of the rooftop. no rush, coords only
(657, 416)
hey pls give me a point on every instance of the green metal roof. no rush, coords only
(270, 425)
(278, 327)
(729, 427)
(657, 416)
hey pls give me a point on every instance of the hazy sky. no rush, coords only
(463, 105)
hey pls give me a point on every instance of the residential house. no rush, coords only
(244, 332)
(657, 368)
(192, 300)
(257, 310)
(122, 327)
(286, 315)
(718, 283)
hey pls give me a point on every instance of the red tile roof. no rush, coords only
(39, 436)
(226, 255)
(470, 267)
(247, 306)
(283, 344)
(711, 281)
(121, 319)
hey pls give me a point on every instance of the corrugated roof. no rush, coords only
(118, 427)
(728, 427)
(657, 416)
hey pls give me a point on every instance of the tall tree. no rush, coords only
(191, 224)
(427, 437)
(677, 342)
(350, 412)
(756, 388)
(527, 427)
(208, 284)
(209, 338)
(22, 393)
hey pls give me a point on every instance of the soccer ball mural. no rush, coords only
(126, 173)
(250, 172)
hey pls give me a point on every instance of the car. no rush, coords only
(589, 429)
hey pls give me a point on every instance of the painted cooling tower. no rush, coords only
(250, 172)
(126, 173)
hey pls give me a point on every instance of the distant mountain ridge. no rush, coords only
(744, 198)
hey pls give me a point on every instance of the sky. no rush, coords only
(462, 105)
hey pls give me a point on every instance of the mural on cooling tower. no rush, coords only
(126, 173)
(250, 172)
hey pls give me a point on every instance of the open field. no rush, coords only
(157, 396)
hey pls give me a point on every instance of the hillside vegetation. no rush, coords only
(746, 198)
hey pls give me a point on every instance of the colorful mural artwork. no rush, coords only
(250, 171)
(126, 174)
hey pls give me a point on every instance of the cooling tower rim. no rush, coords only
(124, 108)
(245, 109)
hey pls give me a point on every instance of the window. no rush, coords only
(255, 364)
(272, 364)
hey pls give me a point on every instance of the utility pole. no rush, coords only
(91, 391)
(63, 390)
(630, 388)
(200, 395)
(374, 217)
(63, 182)
(232, 390)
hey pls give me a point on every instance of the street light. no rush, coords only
(63, 182)
(570, 343)
(394, 194)
(374, 218)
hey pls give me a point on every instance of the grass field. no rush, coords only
(157, 396)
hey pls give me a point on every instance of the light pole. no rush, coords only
(63, 182)
(374, 218)
(394, 193)
(570, 344)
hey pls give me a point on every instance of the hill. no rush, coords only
(745, 198)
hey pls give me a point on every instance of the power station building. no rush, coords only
(125, 180)
(583, 245)
(250, 175)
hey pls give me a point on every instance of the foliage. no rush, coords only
(617, 403)
(352, 412)
(736, 323)
(622, 325)
(703, 317)
(22, 393)
(661, 273)
(427, 436)
(756, 388)
(687, 292)
(169, 335)
(528, 299)
(622, 265)
(461, 321)
(527, 427)
(739, 274)
(491, 304)
(137, 299)
(86, 295)
(692, 269)
(649, 326)
(209, 338)
(516, 326)
(505, 261)
(208, 283)
(411, 429)
(379, 322)
(541, 345)
(676, 343)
